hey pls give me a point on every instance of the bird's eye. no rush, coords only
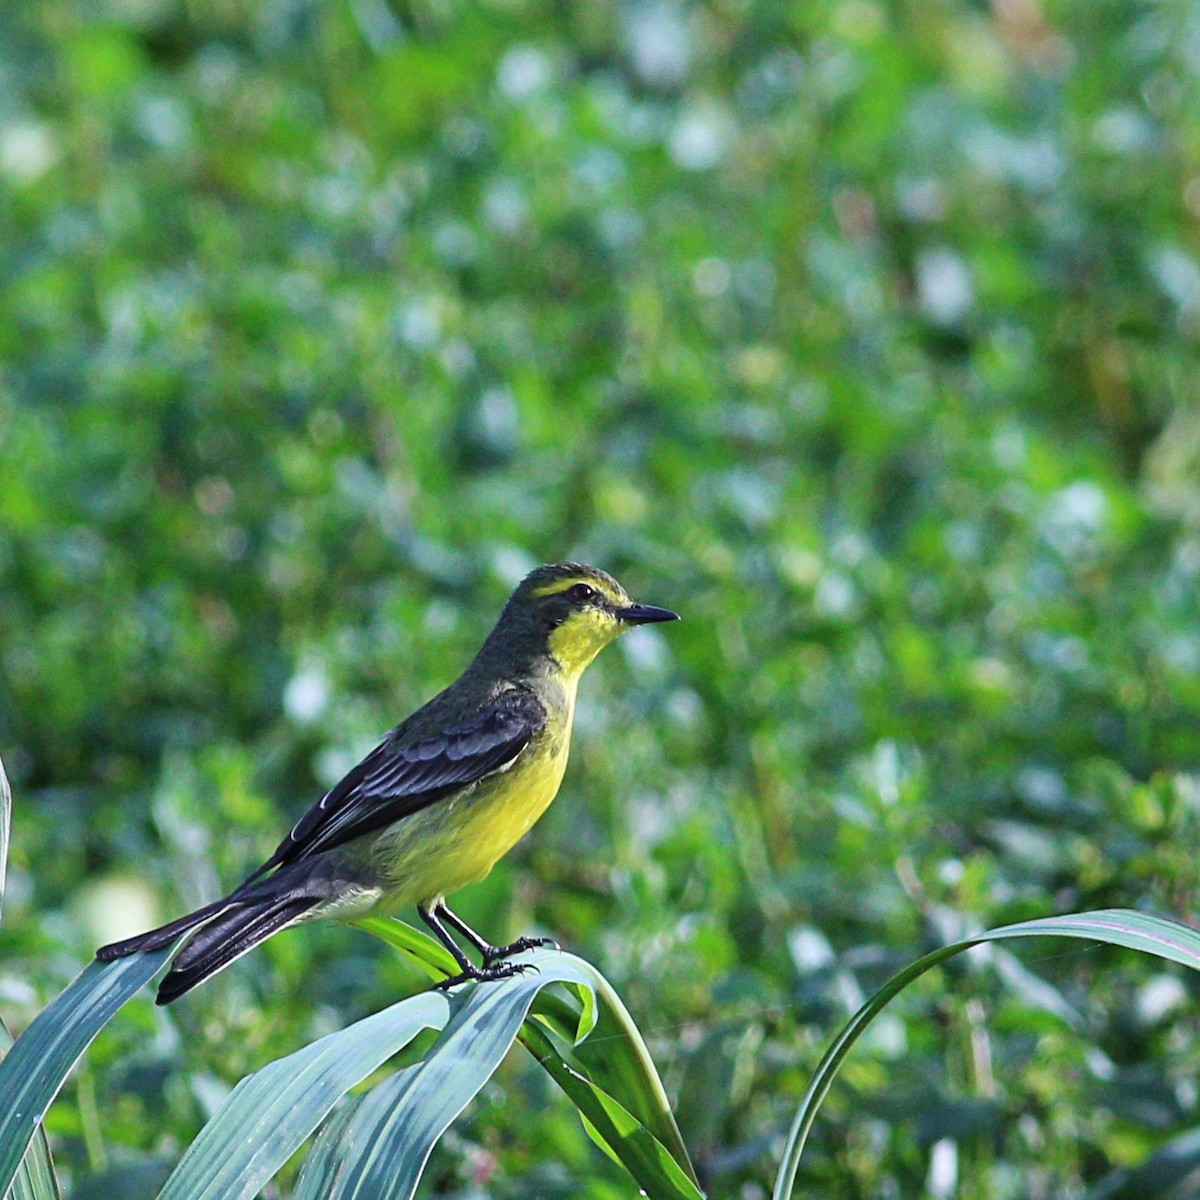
(581, 592)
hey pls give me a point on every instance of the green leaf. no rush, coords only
(5, 823)
(35, 1178)
(34, 1069)
(324, 1162)
(384, 1145)
(616, 1059)
(285, 1101)
(387, 1142)
(268, 1116)
(618, 1132)
(1117, 927)
(419, 948)
(594, 1071)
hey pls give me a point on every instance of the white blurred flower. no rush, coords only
(27, 150)
(700, 138)
(524, 72)
(659, 43)
(944, 286)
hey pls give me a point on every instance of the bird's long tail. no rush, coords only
(227, 937)
(227, 928)
(164, 935)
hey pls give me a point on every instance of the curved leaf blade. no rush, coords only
(419, 948)
(1155, 935)
(659, 1174)
(41, 1058)
(5, 825)
(391, 1135)
(35, 1178)
(616, 1059)
(270, 1114)
(323, 1165)
(613, 1063)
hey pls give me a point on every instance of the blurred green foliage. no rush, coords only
(863, 334)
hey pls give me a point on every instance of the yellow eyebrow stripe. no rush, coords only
(561, 585)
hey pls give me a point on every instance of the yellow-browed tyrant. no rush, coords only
(433, 807)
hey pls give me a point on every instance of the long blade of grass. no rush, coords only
(34, 1069)
(5, 824)
(387, 1142)
(657, 1172)
(392, 1134)
(1117, 927)
(345, 1143)
(615, 1058)
(419, 948)
(323, 1165)
(613, 1062)
(268, 1116)
(35, 1179)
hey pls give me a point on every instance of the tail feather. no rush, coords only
(164, 935)
(228, 937)
(227, 928)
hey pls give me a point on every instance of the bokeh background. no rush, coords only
(863, 334)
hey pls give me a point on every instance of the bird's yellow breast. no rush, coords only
(458, 840)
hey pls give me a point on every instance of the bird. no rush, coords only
(446, 794)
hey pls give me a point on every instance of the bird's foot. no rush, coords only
(495, 954)
(485, 974)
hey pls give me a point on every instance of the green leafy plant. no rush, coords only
(378, 1143)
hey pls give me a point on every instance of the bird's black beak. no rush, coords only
(645, 614)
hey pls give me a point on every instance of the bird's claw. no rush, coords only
(497, 953)
(485, 974)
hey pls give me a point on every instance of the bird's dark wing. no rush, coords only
(395, 781)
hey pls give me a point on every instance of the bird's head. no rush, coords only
(571, 612)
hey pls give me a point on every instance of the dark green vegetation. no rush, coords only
(864, 335)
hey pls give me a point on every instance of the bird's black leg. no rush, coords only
(477, 940)
(443, 935)
(468, 970)
(491, 954)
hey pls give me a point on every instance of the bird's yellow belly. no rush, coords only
(458, 840)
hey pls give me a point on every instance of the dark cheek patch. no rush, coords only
(554, 611)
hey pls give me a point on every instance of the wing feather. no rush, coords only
(394, 781)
